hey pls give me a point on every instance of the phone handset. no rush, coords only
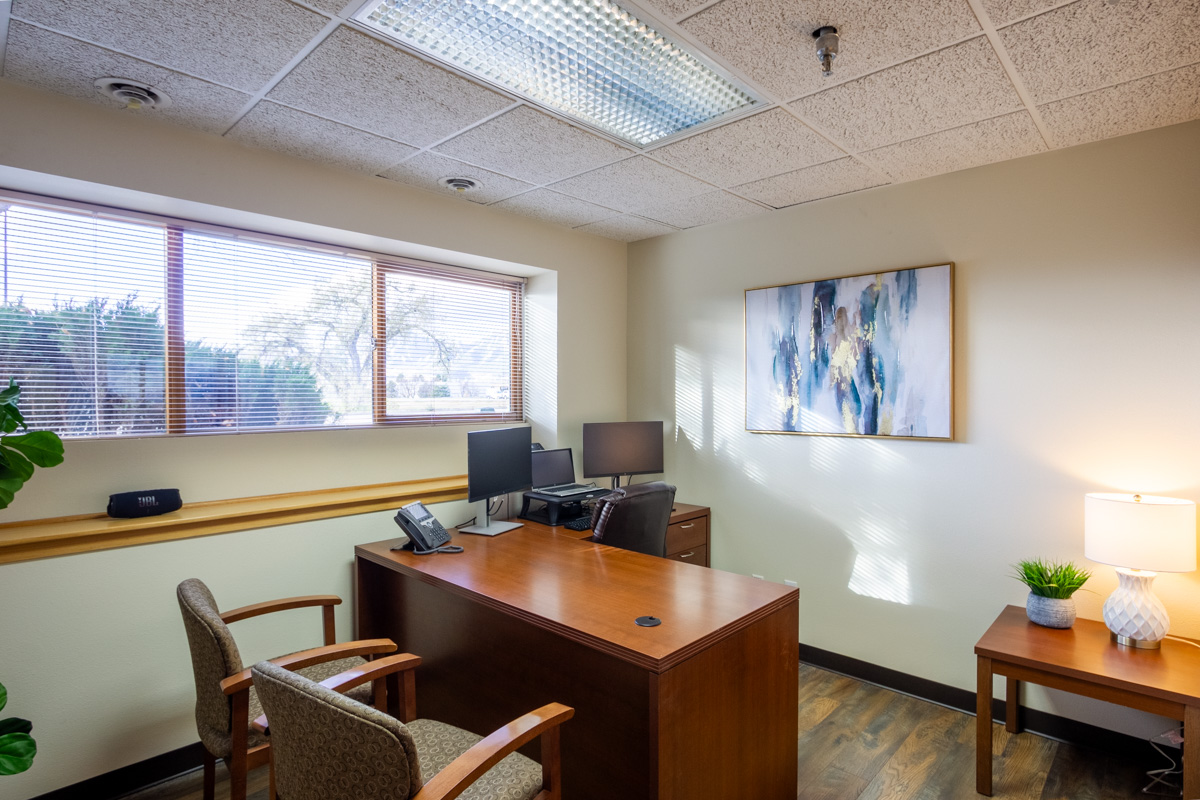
(425, 534)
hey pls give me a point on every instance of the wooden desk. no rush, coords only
(1084, 660)
(702, 706)
(688, 533)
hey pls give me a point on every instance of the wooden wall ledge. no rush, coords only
(43, 538)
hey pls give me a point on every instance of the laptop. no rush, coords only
(554, 473)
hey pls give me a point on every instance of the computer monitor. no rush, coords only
(552, 467)
(498, 462)
(613, 449)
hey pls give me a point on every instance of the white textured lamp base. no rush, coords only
(1136, 617)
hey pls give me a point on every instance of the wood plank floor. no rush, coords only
(859, 741)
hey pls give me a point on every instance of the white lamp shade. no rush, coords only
(1140, 531)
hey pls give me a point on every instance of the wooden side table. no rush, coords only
(1084, 660)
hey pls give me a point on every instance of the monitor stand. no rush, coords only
(490, 527)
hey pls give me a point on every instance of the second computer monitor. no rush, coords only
(552, 467)
(612, 449)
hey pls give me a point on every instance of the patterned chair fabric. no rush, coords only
(215, 657)
(330, 747)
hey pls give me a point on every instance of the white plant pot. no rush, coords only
(1051, 612)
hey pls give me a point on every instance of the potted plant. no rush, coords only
(1051, 585)
(17, 747)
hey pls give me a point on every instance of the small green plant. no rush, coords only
(1050, 578)
(17, 747)
(21, 452)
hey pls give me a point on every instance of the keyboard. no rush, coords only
(584, 523)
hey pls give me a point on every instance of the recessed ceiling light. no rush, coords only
(587, 59)
(132, 94)
(459, 185)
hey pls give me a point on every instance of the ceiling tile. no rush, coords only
(1002, 12)
(813, 183)
(331, 6)
(951, 87)
(627, 228)
(999, 139)
(553, 207)
(1092, 44)
(239, 43)
(363, 82)
(771, 40)
(68, 66)
(756, 147)
(633, 183)
(276, 127)
(426, 169)
(671, 10)
(703, 209)
(532, 146)
(1153, 102)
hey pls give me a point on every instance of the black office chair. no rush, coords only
(635, 518)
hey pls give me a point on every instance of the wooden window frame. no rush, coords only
(380, 270)
(174, 367)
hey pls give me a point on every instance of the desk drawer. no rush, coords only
(693, 555)
(687, 534)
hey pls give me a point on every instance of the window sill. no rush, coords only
(45, 538)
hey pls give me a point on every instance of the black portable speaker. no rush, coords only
(144, 504)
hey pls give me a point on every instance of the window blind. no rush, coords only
(450, 349)
(134, 327)
(82, 327)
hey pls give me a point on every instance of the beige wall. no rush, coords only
(91, 646)
(1076, 327)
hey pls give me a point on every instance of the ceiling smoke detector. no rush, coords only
(132, 94)
(827, 47)
(459, 185)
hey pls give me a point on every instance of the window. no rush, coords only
(116, 325)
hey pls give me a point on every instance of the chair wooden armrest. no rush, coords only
(459, 774)
(327, 601)
(371, 671)
(306, 658)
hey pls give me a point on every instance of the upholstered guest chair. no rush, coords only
(327, 746)
(225, 699)
(635, 518)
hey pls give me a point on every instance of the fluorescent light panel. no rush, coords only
(588, 59)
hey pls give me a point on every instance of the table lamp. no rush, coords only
(1141, 535)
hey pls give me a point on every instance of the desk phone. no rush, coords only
(425, 533)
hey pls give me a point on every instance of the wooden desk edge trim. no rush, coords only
(657, 665)
(45, 538)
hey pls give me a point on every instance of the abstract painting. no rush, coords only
(868, 355)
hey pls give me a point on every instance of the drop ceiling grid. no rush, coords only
(1010, 69)
(236, 43)
(54, 62)
(1097, 104)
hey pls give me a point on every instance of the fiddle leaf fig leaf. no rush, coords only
(3, 697)
(11, 395)
(13, 464)
(16, 753)
(43, 448)
(15, 725)
(21, 453)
